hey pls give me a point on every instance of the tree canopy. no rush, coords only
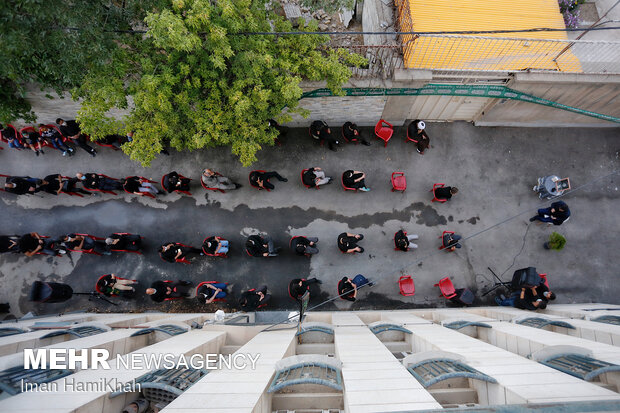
(194, 80)
(53, 43)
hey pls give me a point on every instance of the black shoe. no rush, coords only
(36, 153)
(165, 152)
(532, 219)
(41, 150)
(237, 186)
(361, 250)
(371, 284)
(159, 192)
(361, 237)
(330, 180)
(284, 180)
(93, 154)
(319, 281)
(186, 283)
(365, 143)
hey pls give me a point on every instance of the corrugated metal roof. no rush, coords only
(488, 52)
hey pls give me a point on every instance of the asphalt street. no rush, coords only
(494, 169)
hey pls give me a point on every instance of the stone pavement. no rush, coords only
(494, 168)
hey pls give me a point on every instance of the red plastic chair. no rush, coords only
(384, 131)
(106, 145)
(346, 188)
(435, 186)
(399, 181)
(406, 285)
(132, 251)
(409, 138)
(176, 190)
(441, 237)
(302, 180)
(447, 288)
(91, 251)
(150, 195)
(219, 254)
(252, 184)
(210, 282)
(212, 189)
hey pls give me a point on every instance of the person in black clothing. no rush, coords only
(165, 290)
(416, 132)
(138, 186)
(260, 180)
(173, 182)
(111, 285)
(71, 129)
(402, 241)
(298, 286)
(69, 186)
(348, 242)
(209, 292)
(556, 214)
(351, 133)
(9, 243)
(21, 185)
(52, 184)
(314, 177)
(33, 243)
(115, 140)
(254, 298)
(355, 179)
(174, 251)
(445, 192)
(543, 292)
(215, 246)
(525, 299)
(304, 245)
(257, 246)
(282, 130)
(92, 180)
(347, 288)
(33, 141)
(10, 135)
(124, 242)
(77, 242)
(320, 130)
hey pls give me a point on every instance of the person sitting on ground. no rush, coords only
(298, 286)
(355, 179)
(417, 132)
(110, 285)
(525, 300)
(22, 185)
(252, 299)
(305, 245)
(33, 243)
(33, 141)
(82, 243)
(347, 288)
(174, 182)
(95, 181)
(215, 245)
(214, 180)
(209, 292)
(445, 192)
(260, 180)
(258, 246)
(314, 177)
(71, 130)
(174, 251)
(320, 130)
(56, 139)
(124, 242)
(9, 243)
(451, 241)
(138, 186)
(10, 135)
(347, 242)
(165, 290)
(556, 214)
(352, 133)
(402, 241)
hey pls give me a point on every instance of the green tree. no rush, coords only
(196, 81)
(53, 43)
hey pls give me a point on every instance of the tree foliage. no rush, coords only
(195, 81)
(329, 6)
(54, 43)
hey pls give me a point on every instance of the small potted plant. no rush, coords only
(556, 242)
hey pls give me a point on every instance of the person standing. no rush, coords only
(556, 214)
(417, 133)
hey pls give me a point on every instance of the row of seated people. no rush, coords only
(34, 243)
(350, 132)
(63, 136)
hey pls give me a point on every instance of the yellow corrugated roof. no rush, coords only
(485, 54)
